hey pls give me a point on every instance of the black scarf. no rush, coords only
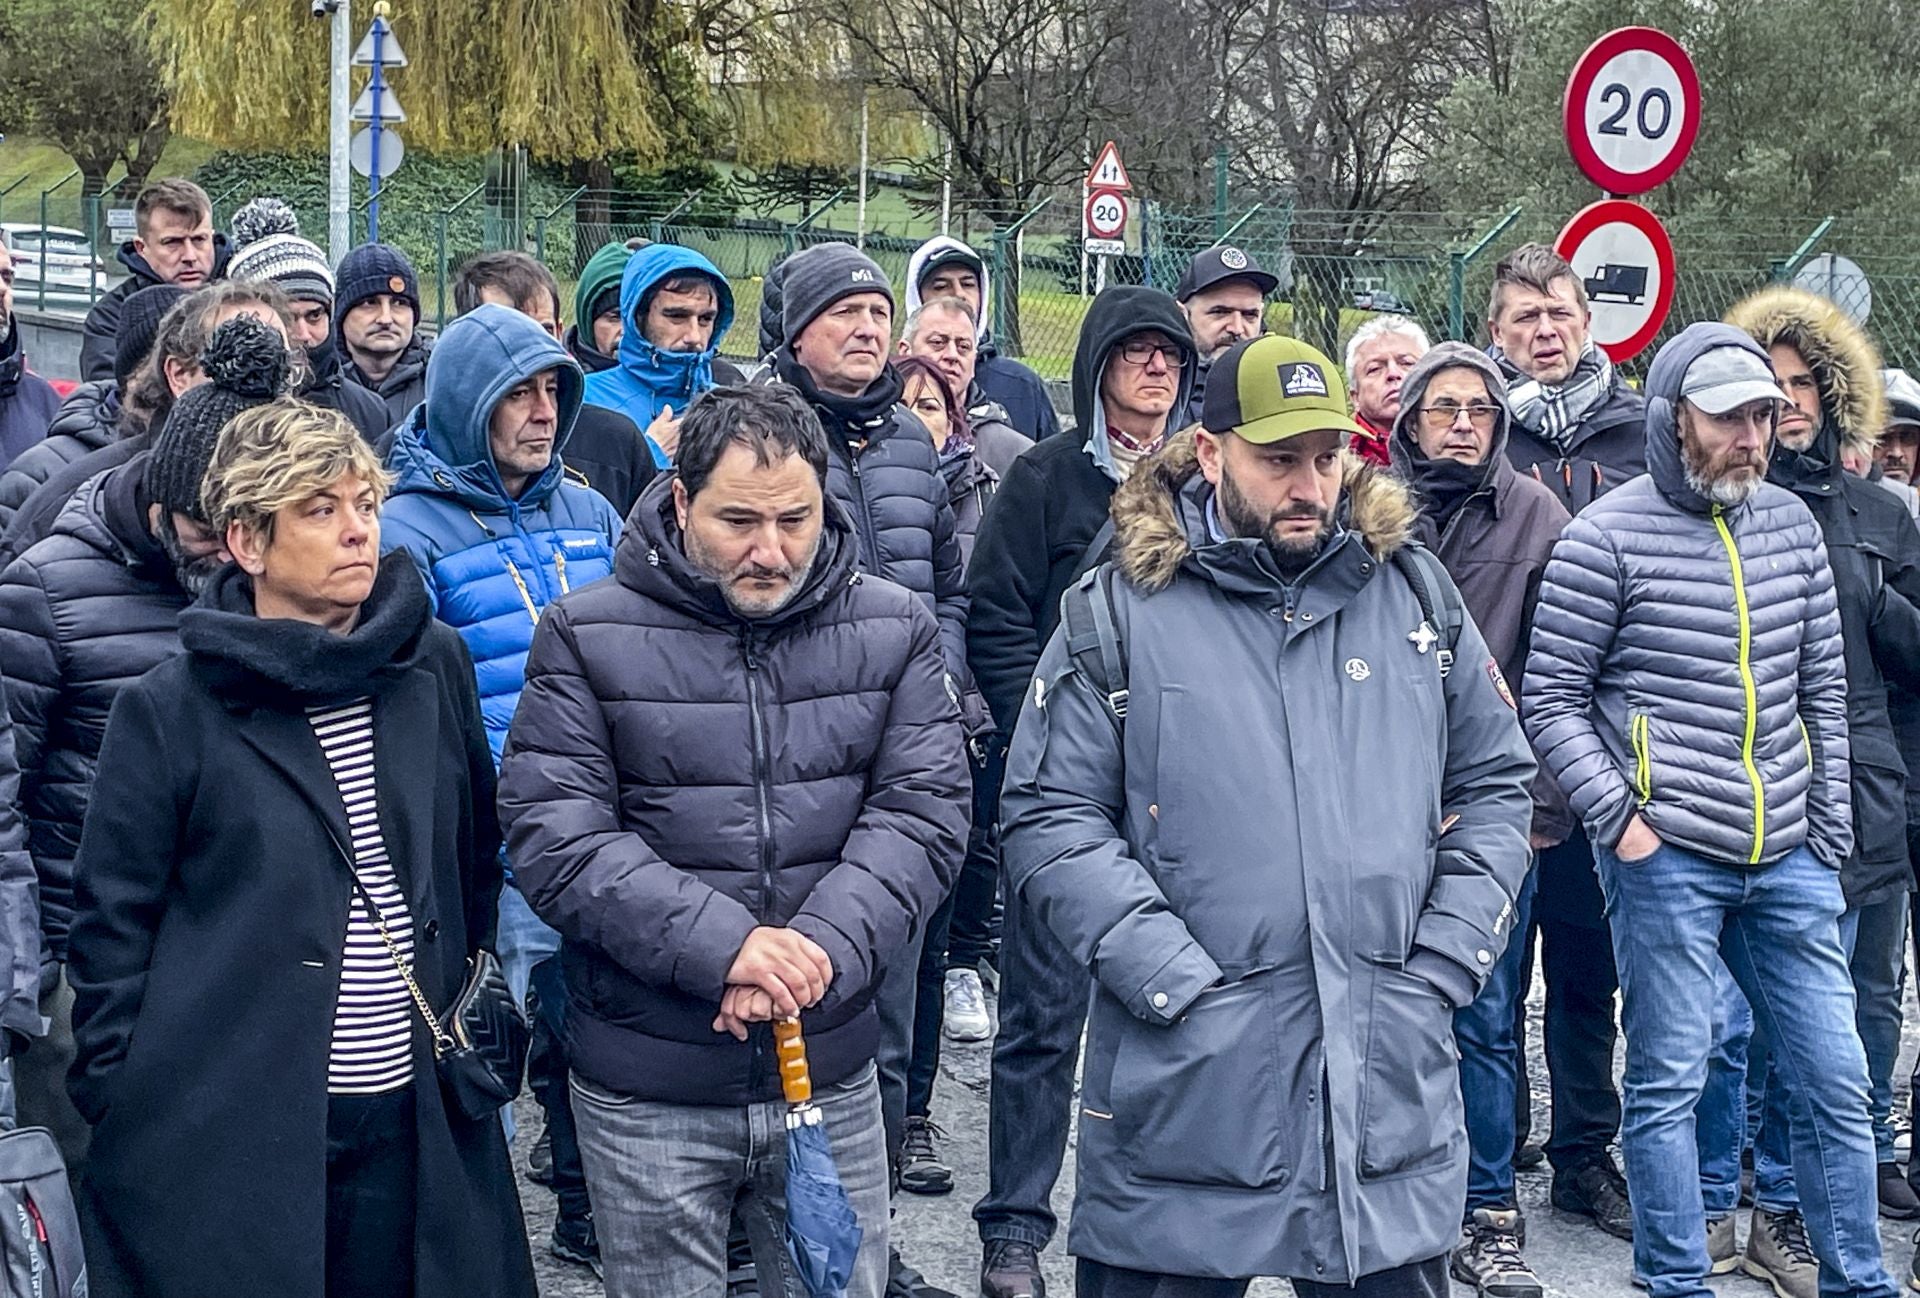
(852, 418)
(284, 663)
(1445, 484)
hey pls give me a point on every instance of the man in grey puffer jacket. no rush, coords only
(1687, 689)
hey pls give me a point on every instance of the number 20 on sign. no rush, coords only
(1632, 110)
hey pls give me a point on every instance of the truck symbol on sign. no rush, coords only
(1627, 284)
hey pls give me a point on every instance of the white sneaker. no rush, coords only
(966, 1009)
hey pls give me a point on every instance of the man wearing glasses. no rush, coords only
(1132, 373)
(1494, 529)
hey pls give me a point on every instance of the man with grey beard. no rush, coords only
(1687, 689)
(735, 786)
(86, 611)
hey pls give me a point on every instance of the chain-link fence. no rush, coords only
(1336, 269)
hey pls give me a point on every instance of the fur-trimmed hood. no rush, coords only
(1152, 541)
(1844, 361)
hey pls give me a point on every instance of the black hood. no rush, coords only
(652, 560)
(1115, 316)
(144, 276)
(591, 360)
(773, 329)
(252, 661)
(324, 370)
(13, 361)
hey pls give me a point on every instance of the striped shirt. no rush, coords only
(373, 1018)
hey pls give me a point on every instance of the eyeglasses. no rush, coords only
(1138, 353)
(1444, 414)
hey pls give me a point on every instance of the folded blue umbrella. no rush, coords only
(823, 1234)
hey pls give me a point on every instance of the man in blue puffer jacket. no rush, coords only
(501, 528)
(676, 306)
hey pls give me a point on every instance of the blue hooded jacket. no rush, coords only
(646, 377)
(492, 563)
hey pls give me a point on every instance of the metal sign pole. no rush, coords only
(378, 87)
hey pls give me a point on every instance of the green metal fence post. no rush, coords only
(1146, 242)
(805, 223)
(1220, 184)
(1458, 261)
(1785, 268)
(1236, 227)
(1004, 241)
(44, 272)
(678, 210)
(540, 224)
(446, 215)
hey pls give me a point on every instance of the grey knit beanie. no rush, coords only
(813, 280)
(268, 247)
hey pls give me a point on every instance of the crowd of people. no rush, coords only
(1250, 731)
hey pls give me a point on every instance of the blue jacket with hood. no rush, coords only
(492, 563)
(646, 377)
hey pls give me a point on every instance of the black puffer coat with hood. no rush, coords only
(86, 421)
(1874, 550)
(677, 775)
(1052, 503)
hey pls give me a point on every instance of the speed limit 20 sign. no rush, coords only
(1106, 221)
(1632, 110)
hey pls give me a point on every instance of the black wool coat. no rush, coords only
(207, 947)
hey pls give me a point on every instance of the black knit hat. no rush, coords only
(370, 270)
(140, 317)
(246, 365)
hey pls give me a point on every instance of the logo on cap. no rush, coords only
(1233, 259)
(396, 285)
(861, 275)
(1301, 379)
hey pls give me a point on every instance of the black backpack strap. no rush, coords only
(1439, 599)
(1093, 638)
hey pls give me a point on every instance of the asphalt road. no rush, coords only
(937, 1235)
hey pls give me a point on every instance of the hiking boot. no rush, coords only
(1011, 1269)
(540, 1160)
(1913, 1277)
(1778, 1252)
(1723, 1249)
(1528, 1157)
(1898, 1202)
(1596, 1189)
(905, 1282)
(921, 1171)
(743, 1281)
(965, 1016)
(575, 1240)
(1488, 1256)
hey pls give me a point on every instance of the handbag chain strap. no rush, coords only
(443, 1042)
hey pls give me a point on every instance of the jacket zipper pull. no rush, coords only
(1566, 473)
(560, 570)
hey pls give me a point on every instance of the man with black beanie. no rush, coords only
(84, 612)
(376, 318)
(837, 315)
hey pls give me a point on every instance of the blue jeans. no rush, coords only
(1490, 1067)
(1720, 1120)
(1874, 938)
(523, 941)
(664, 1179)
(1675, 916)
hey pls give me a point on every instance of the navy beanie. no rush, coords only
(370, 270)
(139, 325)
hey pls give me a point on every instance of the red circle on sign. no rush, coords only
(1573, 110)
(1607, 212)
(1106, 231)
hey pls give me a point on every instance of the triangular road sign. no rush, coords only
(391, 55)
(1108, 171)
(390, 110)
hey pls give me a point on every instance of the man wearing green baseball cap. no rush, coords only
(1268, 787)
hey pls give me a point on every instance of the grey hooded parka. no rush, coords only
(1288, 870)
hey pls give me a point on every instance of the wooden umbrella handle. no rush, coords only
(791, 1050)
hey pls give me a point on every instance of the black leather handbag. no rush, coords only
(480, 1045)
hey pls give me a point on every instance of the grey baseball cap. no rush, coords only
(1726, 378)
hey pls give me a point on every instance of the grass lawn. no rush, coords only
(29, 166)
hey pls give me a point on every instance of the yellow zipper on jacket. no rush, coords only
(1642, 762)
(1746, 682)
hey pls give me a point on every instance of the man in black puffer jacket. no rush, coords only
(85, 612)
(735, 785)
(837, 314)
